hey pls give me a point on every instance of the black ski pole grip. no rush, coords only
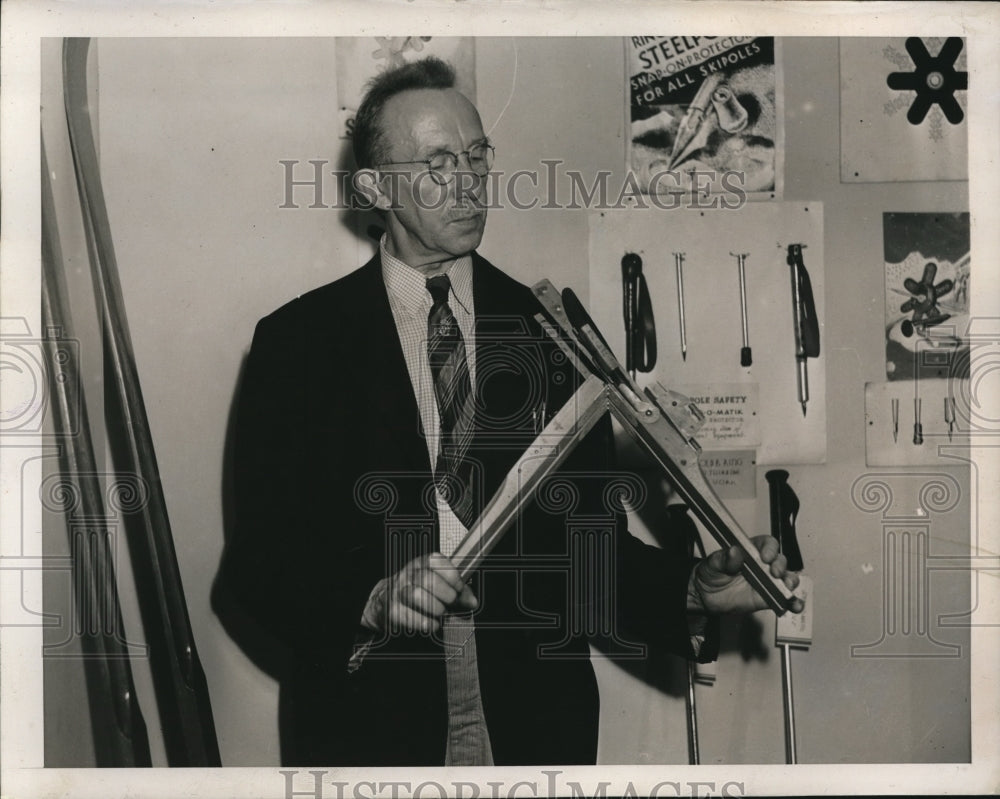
(784, 509)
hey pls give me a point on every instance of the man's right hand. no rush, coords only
(416, 597)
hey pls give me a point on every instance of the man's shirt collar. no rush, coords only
(407, 287)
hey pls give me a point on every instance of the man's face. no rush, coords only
(430, 224)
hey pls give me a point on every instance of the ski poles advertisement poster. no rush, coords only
(706, 116)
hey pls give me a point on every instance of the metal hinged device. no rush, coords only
(663, 422)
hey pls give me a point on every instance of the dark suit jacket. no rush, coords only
(331, 496)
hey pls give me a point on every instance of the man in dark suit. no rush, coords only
(378, 414)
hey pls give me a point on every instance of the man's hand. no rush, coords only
(716, 585)
(416, 597)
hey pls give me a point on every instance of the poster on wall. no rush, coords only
(705, 114)
(903, 109)
(360, 58)
(927, 269)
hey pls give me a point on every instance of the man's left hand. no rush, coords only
(716, 585)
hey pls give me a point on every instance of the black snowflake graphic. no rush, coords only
(934, 79)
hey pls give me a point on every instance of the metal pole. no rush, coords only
(786, 686)
(746, 357)
(679, 266)
(694, 755)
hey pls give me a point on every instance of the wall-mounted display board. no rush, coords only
(918, 423)
(710, 241)
(902, 109)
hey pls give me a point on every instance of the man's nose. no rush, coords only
(469, 184)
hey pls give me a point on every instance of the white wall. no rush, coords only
(192, 132)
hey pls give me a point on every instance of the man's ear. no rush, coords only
(368, 185)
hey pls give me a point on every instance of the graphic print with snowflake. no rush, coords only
(929, 82)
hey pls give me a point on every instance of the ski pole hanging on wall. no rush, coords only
(640, 328)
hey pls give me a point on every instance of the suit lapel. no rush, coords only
(503, 352)
(382, 367)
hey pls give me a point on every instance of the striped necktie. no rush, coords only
(453, 389)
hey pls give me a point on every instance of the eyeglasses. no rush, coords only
(442, 166)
